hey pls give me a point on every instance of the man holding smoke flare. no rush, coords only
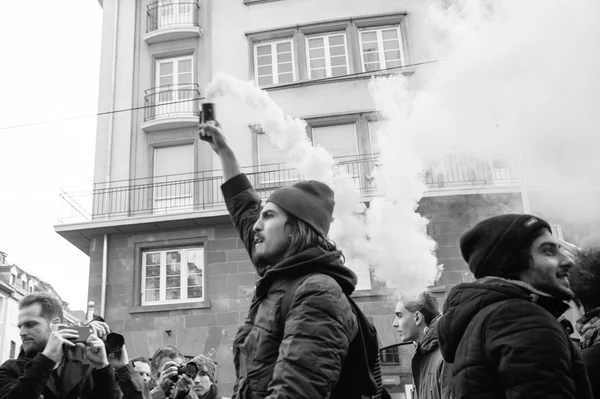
(296, 352)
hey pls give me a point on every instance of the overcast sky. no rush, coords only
(49, 71)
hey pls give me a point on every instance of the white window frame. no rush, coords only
(328, 73)
(556, 231)
(379, 31)
(163, 276)
(275, 66)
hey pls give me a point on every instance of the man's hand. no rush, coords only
(166, 377)
(215, 133)
(100, 329)
(95, 352)
(54, 346)
(119, 361)
(184, 384)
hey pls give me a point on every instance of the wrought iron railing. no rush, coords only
(171, 13)
(201, 191)
(176, 99)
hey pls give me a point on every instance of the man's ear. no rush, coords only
(419, 318)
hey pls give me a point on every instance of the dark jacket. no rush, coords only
(589, 328)
(504, 341)
(30, 377)
(131, 383)
(300, 354)
(428, 367)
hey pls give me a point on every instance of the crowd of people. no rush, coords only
(500, 336)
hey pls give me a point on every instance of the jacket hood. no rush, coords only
(430, 342)
(312, 260)
(466, 300)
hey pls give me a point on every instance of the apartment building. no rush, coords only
(166, 266)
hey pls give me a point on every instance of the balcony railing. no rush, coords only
(171, 13)
(171, 100)
(196, 192)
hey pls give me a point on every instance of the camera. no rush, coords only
(190, 369)
(113, 343)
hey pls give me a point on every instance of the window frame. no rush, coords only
(273, 43)
(380, 49)
(163, 276)
(326, 48)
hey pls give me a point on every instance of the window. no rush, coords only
(557, 231)
(13, 350)
(390, 356)
(175, 85)
(12, 279)
(173, 178)
(381, 48)
(374, 132)
(327, 55)
(175, 275)
(274, 62)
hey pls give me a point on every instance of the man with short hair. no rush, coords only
(585, 283)
(167, 382)
(501, 333)
(141, 365)
(416, 321)
(47, 365)
(295, 348)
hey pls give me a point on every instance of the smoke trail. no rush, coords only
(313, 162)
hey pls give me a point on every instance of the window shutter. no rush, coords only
(268, 153)
(338, 140)
(174, 160)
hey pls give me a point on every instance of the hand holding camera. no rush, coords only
(59, 337)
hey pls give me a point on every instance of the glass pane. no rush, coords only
(173, 293)
(173, 257)
(195, 260)
(152, 271)
(370, 47)
(284, 57)
(393, 64)
(166, 68)
(173, 281)
(318, 73)
(153, 282)
(391, 45)
(194, 292)
(194, 279)
(165, 81)
(283, 68)
(371, 57)
(318, 53)
(283, 47)
(336, 40)
(392, 55)
(339, 71)
(337, 50)
(369, 37)
(317, 64)
(265, 80)
(185, 66)
(174, 268)
(389, 34)
(265, 70)
(263, 50)
(152, 295)
(372, 67)
(153, 259)
(286, 77)
(315, 43)
(338, 61)
(185, 78)
(263, 60)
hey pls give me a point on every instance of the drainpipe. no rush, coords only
(104, 272)
(112, 93)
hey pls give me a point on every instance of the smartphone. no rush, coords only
(83, 332)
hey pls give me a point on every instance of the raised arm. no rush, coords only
(215, 137)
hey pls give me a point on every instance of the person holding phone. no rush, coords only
(47, 365)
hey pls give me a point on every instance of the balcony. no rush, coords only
(170, 107)
(166, 197)
(168, 20)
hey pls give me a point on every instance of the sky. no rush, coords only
(49, 71)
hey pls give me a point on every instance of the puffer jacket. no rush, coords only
(428, 368)
(299, 354)
(504, 341)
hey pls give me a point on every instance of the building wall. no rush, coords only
(9, 332)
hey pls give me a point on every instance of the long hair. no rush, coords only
(303, 237)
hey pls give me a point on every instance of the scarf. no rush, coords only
(588, 327)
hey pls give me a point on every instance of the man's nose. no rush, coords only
(395, 323)
(257, 226)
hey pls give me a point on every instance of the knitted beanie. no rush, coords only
(310, 201)
(206, 366)
(491, 247)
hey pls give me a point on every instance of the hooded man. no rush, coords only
(298, 353)
(585, 283)
(501, 332)
(416, 321)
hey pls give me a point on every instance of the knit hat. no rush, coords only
(206, 366)
(492, 246)
(310, 201)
